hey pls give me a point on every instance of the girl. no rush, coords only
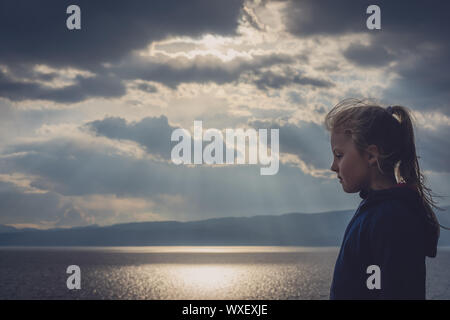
(383, 251)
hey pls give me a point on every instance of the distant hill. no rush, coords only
(315, 229)
(7, 229)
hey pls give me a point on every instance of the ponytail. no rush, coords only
(410, 173)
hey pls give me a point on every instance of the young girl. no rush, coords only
(383, 251)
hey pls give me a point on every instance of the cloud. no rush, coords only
(268, 79)
(423, 83)
(84, 88)
(152, 133)
(433, 148)
(413, 35)
(73, 216)
(36, 33)
(369, 56)
(147, 87)
(21, 207)
(169, 71)
(199, 69)
(325, 17)
(307, 140)
(310, 142)
(73, 169)
(17, 123)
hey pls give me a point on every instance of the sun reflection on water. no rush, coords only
(207, 277)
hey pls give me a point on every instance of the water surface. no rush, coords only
(172, 272)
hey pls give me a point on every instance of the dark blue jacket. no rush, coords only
(390, 230)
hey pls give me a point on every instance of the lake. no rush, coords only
(169, 272)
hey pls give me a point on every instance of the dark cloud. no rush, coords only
(433, 148)
(105, 46)
(295, 97)
(414, 34)
(201, 69)
(152, 133)
(171, 72)
(24, 72)
(147, 87)
(84, 88)
(35, 32)
(268, 79)
(306, 18)
(325, 17)
(423, 83)
(370, 56)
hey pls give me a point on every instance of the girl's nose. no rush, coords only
(333, 168)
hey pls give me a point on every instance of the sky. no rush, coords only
(86, 115)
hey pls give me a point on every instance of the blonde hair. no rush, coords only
(393, 133)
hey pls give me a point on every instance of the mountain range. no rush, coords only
(291, 229)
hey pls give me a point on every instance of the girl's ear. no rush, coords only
(373, 153)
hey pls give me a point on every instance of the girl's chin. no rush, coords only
(347, 189)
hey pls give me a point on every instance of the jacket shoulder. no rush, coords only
(392, 215)
(394, 219)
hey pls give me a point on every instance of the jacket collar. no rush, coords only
(398, 188)
(402, 191)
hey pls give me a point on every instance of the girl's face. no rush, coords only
(353, 170)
